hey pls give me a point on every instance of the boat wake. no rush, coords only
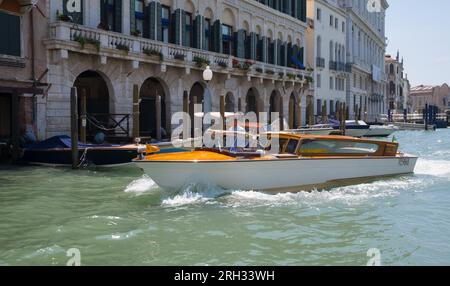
(427, 172)
(141, 186)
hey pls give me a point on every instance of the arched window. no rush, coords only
(391, 69)
(319, 47)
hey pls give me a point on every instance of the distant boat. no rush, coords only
(381, 130)
(56, 151)
(352, 128)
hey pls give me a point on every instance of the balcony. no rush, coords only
(338, 66)
(107, 44)
(320, 62)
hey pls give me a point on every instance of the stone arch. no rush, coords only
(228, 18)
(246, 26)
(154, 100)
(276, 105)
(189, 7)
(209, 14)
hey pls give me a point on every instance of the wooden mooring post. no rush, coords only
(136, 112)
(83, 116)
(15, 134)
(74, 126)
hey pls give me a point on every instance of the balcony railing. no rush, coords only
(320, 62)
(66, 36)
(338, 66)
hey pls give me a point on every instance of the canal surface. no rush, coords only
(120, 217)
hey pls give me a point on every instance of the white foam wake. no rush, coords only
(194, 194)
(141, 186)
(437, 168)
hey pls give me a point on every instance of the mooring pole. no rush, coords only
(74, 126)
(158, 117)
(83, 115)
(15, 125)
(136, 111)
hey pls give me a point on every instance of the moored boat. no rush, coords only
(381, 130)
(303, 160)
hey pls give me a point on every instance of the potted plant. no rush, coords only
(179, 57)
(201, 62)
(63, 17)
(136, 33)
(103, 26)
(222, 64)
(123, 47)
(259, 70)
(152, 52)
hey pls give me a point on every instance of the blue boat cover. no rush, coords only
(62, 141)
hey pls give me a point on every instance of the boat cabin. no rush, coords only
(333, 146)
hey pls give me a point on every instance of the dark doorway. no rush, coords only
(196, 96)
(93, 92)
(5, 116)
(229, 103)
(252, 102)
(275, 106)
(293, 112)
(152, 94)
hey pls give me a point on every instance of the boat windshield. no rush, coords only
(330, 147)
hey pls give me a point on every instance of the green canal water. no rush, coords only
(120, 217)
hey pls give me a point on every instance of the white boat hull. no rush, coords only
(380, 132)
(273, 174)
(356, 132)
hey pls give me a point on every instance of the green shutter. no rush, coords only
(298, 9)
(159, 36)
(133, 15)
(288, 7)
(103, 12)
(152, 20)
(253, 45)
(302, 55)
(265, 49)
(177, 29)
(240, 51)
(204, 36)
(118, 15)
(217, 37)
(183, 29)
(198, 32)
(303, 14)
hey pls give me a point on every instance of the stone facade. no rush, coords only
(174, 68)
(431, 95)
(366, 45)
(398, 87)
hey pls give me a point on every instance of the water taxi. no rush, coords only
(302, 160)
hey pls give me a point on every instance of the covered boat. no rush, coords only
(353, 128)
(56, 151)
(302, 160)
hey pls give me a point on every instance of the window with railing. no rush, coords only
(227, 39)
(187, 21)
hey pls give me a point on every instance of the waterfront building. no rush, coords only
(398, 86)
(106, 49)
(432, 95)
(23, 66)
(366, 45)
(327, 54)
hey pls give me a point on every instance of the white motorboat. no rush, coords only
(303, 160)
(381, 130)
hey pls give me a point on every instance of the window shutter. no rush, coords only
(159, 36)
(217, 37)
(133, 15)
(177, 28)
(183, 29)
(265, 50)
(198, 34)
(152, 20)
(118, 15)
(301, 57)
(104, 12)
(253, 45)
(304, 10)
(204, 36)
(240, 53)
(299, 9)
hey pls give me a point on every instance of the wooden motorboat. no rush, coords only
(302, 160)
